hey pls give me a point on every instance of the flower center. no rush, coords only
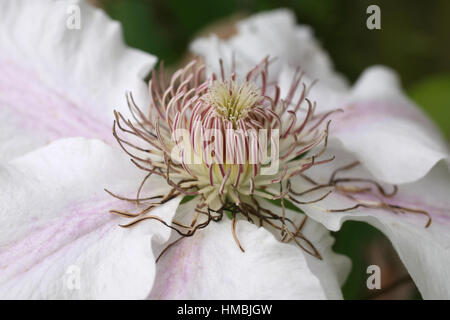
(231, 100)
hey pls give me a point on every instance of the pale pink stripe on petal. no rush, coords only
(424, 251)
(61, 82)
(56, 225)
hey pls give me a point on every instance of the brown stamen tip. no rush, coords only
(233, 231)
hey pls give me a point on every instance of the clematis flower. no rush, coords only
(220, 226)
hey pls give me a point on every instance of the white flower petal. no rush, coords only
(60, 82)
(424, 251)
(209, 265)
(334, 268)
(56, 225)
(274, 33)
(386, 131)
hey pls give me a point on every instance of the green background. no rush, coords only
(413, 40)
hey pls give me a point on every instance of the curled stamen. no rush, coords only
(233, 230)
(383, 205)
(380, 204)
(379, 187)
(134, 200)
(310, 201)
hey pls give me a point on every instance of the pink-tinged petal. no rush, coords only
(274, 34)
(60, 82)
(57, 237)
(334, 268)
(386, 131)
(210, 265)
(424, 251)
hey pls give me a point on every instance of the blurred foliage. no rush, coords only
(413, 40)
(433, 94)
(352, 240)
(356, 240)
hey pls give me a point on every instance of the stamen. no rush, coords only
(233, 230)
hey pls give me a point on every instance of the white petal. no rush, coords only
(386, 131)
(60, 82)
(209, 265)
(334, 268)
(56, 226)
(424, 251)
(274, 33)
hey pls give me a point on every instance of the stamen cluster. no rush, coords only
(232, 143)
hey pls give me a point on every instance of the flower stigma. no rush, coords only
(232, 101)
